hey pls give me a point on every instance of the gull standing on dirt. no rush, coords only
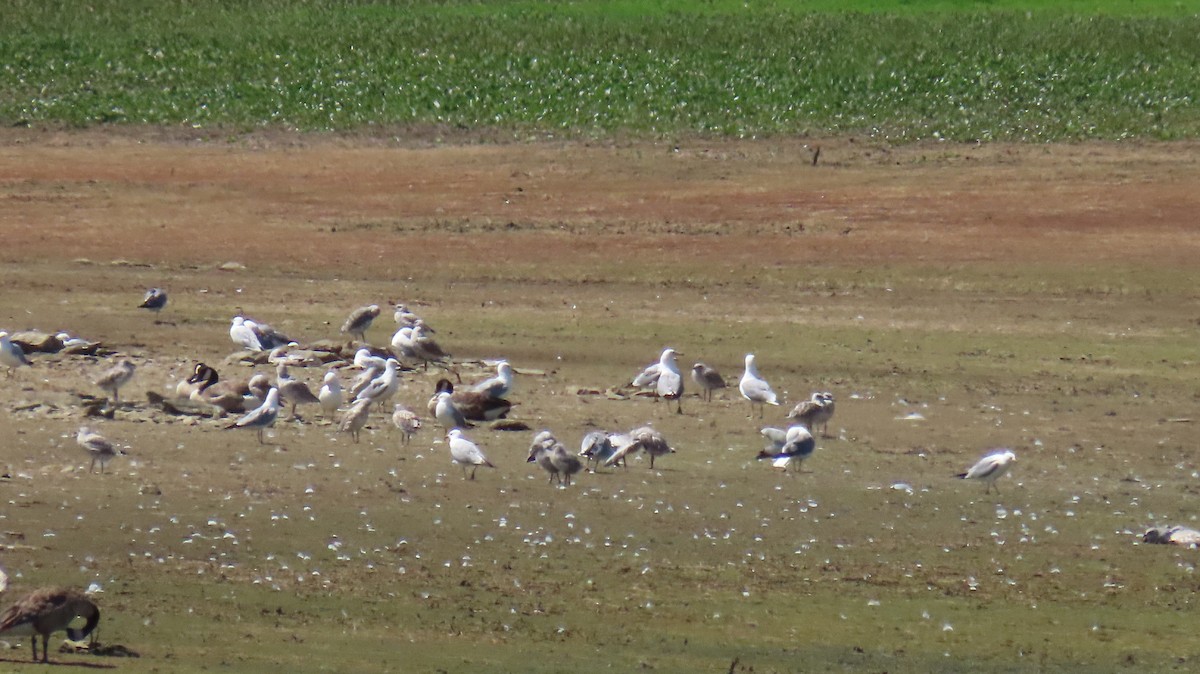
(756, 389)
(360, 321)
(292, 390)
(425, 348)
(98, 448)
(816, 411)
(404, 317)
(553, 457)
(11, 355)
(498, 386)
(707, 379)
(330, 393)
(243, 335)
(670, 379)
(112, 379)
(990, 468)
(155, 300)
(466, 453)
(48, 610)
(406, 421)
(448, 414)
(646, 439)
(382, 387)
(355, 418)
(596, 446)
(261, 417)
(797, 444)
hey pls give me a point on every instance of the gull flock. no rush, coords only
(259, 402)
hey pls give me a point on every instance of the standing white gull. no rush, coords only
(990, 468)
(98, 449)
(448, 414)
(330, 393)
(670, 380)
(360, 321)
(112, 379)
(243, 335)
(383, 387)
(11, 355)
(404, 316)
(707, 379)
(466, 453)
(261, 417)
(155, 300)
(756, 389)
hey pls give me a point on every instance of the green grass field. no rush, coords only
(895, 71)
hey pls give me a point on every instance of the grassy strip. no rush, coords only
(577, 70)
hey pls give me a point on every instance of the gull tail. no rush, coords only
(961, 476)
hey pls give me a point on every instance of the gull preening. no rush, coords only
(262, 417)
(11, 355)
(783, 447)
(360, 321)
(48, 610)
(816, 411)
(466, 453)
(990, 468)
(756, 389)
(255, 336)
(383, 387)
(112, 379)
(155, 300)
(707, 379)
(447, 413)
(425, 348)
(646, 439)
(406, 421)
(648, 377)
(98, 448)
(597, 446)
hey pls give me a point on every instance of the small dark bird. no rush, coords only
(155, 300)
(48, 610)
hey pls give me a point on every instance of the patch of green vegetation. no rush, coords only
(899, 71)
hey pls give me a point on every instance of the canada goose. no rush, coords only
(205, 386)
(475, 406)
(48, 610)
(466, 453)
(756, 389)
(707, 379)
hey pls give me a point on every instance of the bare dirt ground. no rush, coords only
(1041, 297)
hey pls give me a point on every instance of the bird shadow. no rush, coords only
(58, 663)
